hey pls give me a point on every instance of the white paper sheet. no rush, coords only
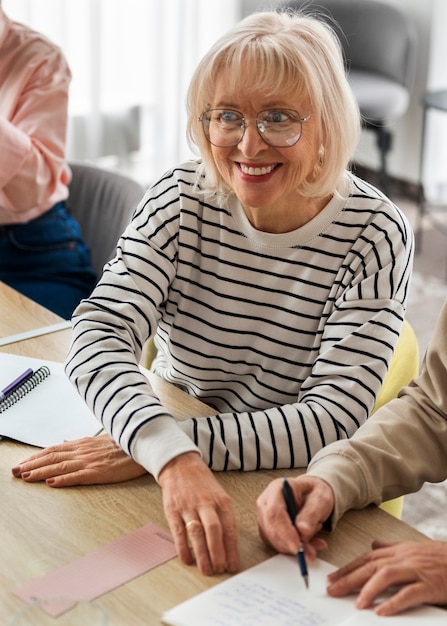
(273, 594)
(50, 413)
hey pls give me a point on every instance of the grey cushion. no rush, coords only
(379, 98)
(103, 203)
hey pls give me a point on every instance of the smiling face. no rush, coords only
(266, 179)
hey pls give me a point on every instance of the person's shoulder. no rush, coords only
(357, 193)
(23, 35)
(185, 171)
(176, 182)
(183, 179)
(366, 195)
(33, 48)
(361, 188)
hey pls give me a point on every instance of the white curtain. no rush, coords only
(131, 62)
(434, 176)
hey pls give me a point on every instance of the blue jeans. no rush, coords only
(47, 260)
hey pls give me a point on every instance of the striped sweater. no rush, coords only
(287, 337)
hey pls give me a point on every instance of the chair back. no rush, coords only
(377, 37)
(102, 202)
(403, 368)
(379, 41)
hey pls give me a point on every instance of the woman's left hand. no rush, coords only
(88, 461)
(418, 568)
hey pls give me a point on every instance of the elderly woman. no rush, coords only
(273, 280)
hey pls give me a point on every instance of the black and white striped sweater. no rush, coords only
(287, 336)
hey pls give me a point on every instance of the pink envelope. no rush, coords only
(100, 571)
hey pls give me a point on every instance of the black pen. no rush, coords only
(291, 510)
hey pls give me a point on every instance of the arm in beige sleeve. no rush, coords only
(401, 446)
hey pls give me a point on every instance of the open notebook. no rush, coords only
(50, 412)
(273, 594)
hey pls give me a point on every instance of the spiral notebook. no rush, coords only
(46, 409)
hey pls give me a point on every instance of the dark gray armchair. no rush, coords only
(102, 202)
(380, 48)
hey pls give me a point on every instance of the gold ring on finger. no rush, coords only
(192, 523)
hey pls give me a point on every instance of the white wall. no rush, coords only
(435, 154)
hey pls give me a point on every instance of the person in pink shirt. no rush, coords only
(42, 253)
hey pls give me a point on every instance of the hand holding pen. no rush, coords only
(291, 510)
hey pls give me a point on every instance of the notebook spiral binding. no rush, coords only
(29, 384)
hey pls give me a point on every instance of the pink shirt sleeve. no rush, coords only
(34, 81)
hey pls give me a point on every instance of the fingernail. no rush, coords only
(304, 527)
(360, 604)
(26, 475)
(332, 590)
(16, 471)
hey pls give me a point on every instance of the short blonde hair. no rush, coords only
(292, 52)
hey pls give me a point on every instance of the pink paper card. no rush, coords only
(100, 571)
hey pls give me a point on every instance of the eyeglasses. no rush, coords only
(279, 128)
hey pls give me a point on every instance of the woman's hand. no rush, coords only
(314, 502)
(89, 461)
(418, 568)
(200, 515)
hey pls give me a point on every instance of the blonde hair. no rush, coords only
(293, 53)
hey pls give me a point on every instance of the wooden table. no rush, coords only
(41, 528)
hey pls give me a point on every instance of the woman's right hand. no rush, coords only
(200, 515)
(88, 461)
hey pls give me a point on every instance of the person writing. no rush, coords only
(400, 447)
(42, 253)
(273, 280)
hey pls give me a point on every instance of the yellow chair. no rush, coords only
(149, 353)
(404, 367)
